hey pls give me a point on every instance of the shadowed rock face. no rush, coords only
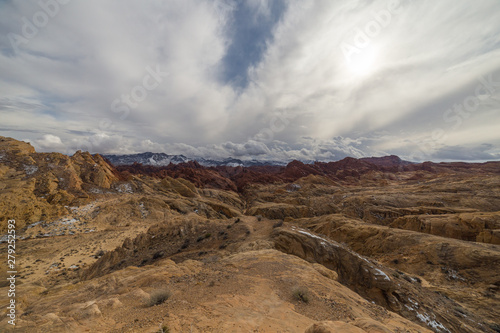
(358, 245)
(376, 283)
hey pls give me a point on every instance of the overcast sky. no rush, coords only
(265, 79)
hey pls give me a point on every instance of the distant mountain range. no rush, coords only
(162, 159)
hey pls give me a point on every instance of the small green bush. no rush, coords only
(301, 294)
(164, 329)
(159, 296)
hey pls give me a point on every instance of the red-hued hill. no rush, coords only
(351, 169)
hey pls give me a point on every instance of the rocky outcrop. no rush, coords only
(475, 227)
(354, 271)
(38, 186)
(380, 284)
(281, 211)
(391, 162)
(164, 241)
(180, 186)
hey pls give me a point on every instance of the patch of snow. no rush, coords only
(5, 238)
(362, 258)
(145, 212)
(30, 169)
(452, 274)
(95, 190)
(34, 224)
(409, 307)
(317, 237)
(334, 244)
(68, 221)
(413, 302)
(293, 188)
(124, 188)
(380, 273)
(84, 209)
(234, 164)
(432, 323)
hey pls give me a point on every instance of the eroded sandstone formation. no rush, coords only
(358, 245)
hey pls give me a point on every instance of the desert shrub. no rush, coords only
(301, 294)
(164, 329)
(278, 224)
(159, 296)
(185, 244)
(158, 255)
(495, 327)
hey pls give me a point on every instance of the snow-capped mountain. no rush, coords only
(162, 159)
(156, 159)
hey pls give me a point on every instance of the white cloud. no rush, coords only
(49, 142)
(427, 58)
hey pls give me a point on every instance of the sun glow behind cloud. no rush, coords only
(364, 63)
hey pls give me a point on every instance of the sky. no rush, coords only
(254, 79)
